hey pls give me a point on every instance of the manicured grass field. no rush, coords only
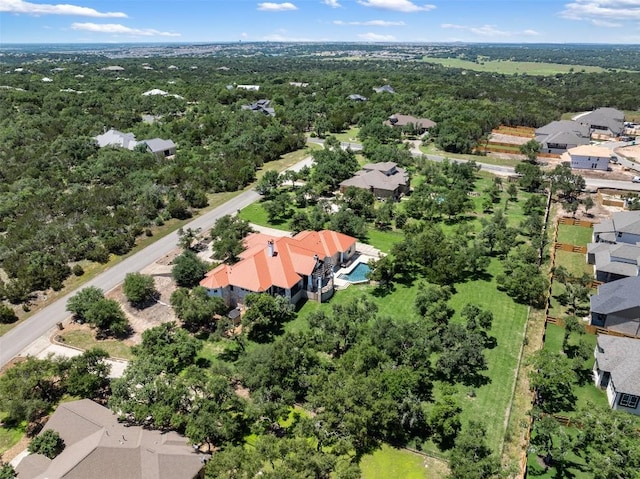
(388, 462)
(575, 235)
(86, 340)
(575, 263)
(511, 68)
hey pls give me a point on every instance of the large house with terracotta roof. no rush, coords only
(296, 268)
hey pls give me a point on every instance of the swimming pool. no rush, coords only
(357, 274)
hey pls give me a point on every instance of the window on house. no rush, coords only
(628, 400)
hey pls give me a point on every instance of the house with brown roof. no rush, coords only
(617, 369)
(384, 180)
(97, 445)
(588, 157)
(420, 125)
(296, 268)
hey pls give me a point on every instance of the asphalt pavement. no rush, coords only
(19, 338)
(15, 341)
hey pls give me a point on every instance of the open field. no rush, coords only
(507, 67)
(575, 235)
(431, 149)
(83, 339)
(389, 462)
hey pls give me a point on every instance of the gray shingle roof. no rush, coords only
(157, 145)
(616, 296)
(608, 117)
(627, 222)
(562, 126)
(621, 358)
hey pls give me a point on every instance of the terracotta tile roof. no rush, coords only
(258, 270)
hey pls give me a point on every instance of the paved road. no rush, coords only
(20, 337)
(13, 342)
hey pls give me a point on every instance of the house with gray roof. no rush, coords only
(612, 262)
(617, 369)
(98, 445)
(262, 106)
(559, 136)
(384, 180)
(622, 227)
(114, 137)
(616, 306)
(421, 125)
(603, 121)
(160, 148)
(157, 146)
(384, 89)
(356, 97)
(615, 250)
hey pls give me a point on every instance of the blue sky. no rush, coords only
(499, 21)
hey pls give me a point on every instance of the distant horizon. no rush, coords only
(602, 22)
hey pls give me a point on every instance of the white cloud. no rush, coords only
(370, 23)
(276, 7)
(19, 6)
(604, 23)
(599, 10)
(405, 6)
(332, 3)
(488, 30)
(118, 29)
(374, 37)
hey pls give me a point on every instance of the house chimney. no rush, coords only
(271, 247)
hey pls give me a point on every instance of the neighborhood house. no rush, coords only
(603, 122)
(615, 250)
(616, 306)
(420, 125)
(296, 268)
(559, 136)
(588, 157)
(262, 106)
(617, 368)
(98, 445)
(159, 147)
(384, 180)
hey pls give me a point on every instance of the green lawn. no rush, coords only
(508, 67)
(9, 436)
(388, 462)
(491, 401)
(575, 235)
(348, 136)
(86, 340)
(575, 263)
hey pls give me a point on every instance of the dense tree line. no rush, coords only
(89, 203)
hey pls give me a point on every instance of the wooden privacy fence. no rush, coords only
(570, 248)
(590, 329)
(565, 220)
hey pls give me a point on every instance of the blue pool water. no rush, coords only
(357, 274)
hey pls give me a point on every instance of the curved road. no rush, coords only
(16, 340)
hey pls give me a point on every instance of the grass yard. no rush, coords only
(575, 235)
(508, 67)
(9, 436)
(348, 136)
(575, 263)
(431, 149)
(84, 339)
(388, 462)
(491, 401)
